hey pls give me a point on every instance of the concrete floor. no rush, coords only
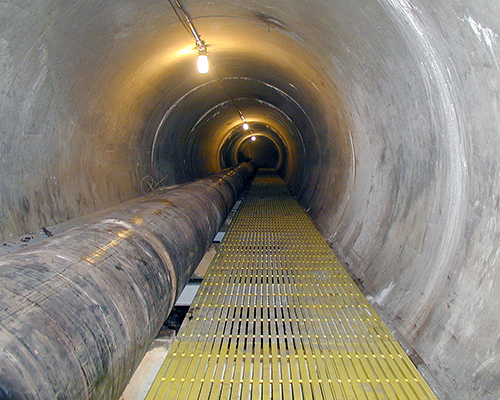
(144, 375)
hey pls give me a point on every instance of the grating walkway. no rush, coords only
(278, 317)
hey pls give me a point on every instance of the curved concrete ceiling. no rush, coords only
(388, 111)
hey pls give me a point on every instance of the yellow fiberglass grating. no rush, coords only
(278, 317)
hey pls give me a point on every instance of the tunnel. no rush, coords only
(381, 116)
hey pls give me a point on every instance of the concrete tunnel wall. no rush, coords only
(388, 111)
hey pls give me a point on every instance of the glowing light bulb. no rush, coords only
(253, 138)
(202, 64)
(246, 127)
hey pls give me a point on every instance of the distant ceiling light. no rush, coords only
(245, 126)
(253, 138)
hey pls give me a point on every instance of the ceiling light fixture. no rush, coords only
(202, 62)
(187, 22)
(253, 138)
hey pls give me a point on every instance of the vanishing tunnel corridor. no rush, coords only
(278, 317)
(381, 116)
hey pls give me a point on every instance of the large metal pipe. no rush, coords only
(79, 310)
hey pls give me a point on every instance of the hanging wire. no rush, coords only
(188, 23)
(233, 101)
(148, 183)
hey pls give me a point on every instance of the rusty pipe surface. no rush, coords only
(79, 310)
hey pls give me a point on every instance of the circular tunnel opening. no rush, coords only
(260, 149)
(261, 143)
(194, 136)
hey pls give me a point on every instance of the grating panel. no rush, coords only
(278, 317)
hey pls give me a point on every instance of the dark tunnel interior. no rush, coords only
(382, 117)
(261, 150)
